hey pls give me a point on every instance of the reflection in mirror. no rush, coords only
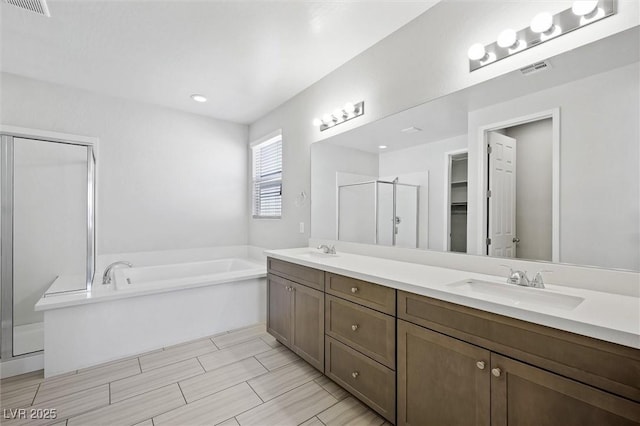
(542, 166)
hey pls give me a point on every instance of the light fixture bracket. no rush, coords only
(357, 112)
(563, 23)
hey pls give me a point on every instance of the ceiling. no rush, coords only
(447, 116)
(247, 57)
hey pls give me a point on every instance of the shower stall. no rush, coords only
(379, 212)
(47, 187)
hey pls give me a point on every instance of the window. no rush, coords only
(267, 177)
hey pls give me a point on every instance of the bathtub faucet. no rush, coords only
(106, 277)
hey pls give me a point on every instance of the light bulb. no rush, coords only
(382, 146)
(476, 52)
(592, 17)
(507, 38)
(326, 119)
(349, 108)
(338, 114)
(199, 98)
(317, 122)
(584, 7)
(542, 22)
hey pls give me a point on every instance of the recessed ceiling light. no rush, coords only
(199, 98)
(382, 146)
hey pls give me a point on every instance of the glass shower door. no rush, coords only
(406, 219)
(49, 232)
(357, 213)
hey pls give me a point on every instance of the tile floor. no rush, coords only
(241, 377)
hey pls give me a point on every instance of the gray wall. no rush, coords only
(533, 188)
(421, 61)
(166, 179)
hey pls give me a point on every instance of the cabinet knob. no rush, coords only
(354, 289)
(354, 327)
(496, 372)
(355, 374)
(480, 365)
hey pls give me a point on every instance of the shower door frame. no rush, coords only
(376, 214)
(7, 135)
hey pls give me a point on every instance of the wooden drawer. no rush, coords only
(370, 332)
(614, 368)
(300, 274)
(368, 380)
(374, 296)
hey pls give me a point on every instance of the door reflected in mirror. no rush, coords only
(542, 166)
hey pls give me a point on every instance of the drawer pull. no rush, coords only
(496, 372)
(354, 327)
(355, 374)
(354, 289)
(480, 365)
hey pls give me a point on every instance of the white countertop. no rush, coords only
(606, 316)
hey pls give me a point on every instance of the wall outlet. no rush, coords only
(302, 227)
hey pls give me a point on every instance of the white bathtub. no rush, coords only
(181, 275)
(153, 306)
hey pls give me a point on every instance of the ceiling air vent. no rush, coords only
(36, 6)
(535, 68)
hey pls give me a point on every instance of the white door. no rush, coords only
(502, 196)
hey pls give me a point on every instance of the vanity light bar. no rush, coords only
(544, 26)
(340, 115)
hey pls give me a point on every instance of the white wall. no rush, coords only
(423, 60)
(428, 157)
(599, 177)
(533, 188)
(166, 179)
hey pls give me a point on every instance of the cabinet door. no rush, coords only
(441, 380)
(279, 308)
(526, 395)
(308, 325)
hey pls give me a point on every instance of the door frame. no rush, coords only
(482, 176)
(446, 242)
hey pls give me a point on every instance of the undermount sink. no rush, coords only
(518, 296)
(312, 254)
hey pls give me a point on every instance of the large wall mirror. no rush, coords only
(539, 164)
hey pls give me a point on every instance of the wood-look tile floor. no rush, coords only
(241, 377)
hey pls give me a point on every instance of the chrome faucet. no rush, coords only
(106, 277)
(518, 278)
(538, 281)
(327, 249)
(521, 278)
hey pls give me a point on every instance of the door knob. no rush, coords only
(516, 240)
(496, 372)
(480, 365)
(354, 289)
(355, 374)
(354, 327)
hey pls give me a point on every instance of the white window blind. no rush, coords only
(267, 178)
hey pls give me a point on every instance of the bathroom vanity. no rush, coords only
(433, 353)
